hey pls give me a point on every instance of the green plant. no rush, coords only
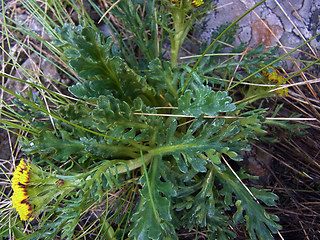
(144, 123)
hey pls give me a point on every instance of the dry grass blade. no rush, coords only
(296, 163)
(110, 8)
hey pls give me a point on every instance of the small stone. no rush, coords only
(49, 70)
(104, 29)
(31, 23)
(245, 34)
(21, 18)
(32, 63)
(37, 66)
(264, 33)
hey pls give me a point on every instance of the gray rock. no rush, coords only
(290, 22)
(271, 4)
(49, 70)
(31, 23)
(31, 71)
(245, 34)
(291, 41)
(32, 63)
(104, 29)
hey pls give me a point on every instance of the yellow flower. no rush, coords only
(275, 77)
(197, 3)
(34, 189)
(20, 180)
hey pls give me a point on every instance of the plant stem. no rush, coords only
(154, 169)
(181, 29)
(120, 166)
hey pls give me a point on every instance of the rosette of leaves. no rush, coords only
(115, 129)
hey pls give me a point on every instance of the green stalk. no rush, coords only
(149, 185)
(181, 29)
(115, 167)
(108, 230)
(168, 149)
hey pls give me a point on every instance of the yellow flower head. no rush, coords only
(273, 76)
(20, 180)
(197, 3)
(174, 1)
(34, 189)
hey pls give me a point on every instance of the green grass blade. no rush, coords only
(214, 42)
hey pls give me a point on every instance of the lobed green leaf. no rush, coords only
(152, 219)
(204, 101)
